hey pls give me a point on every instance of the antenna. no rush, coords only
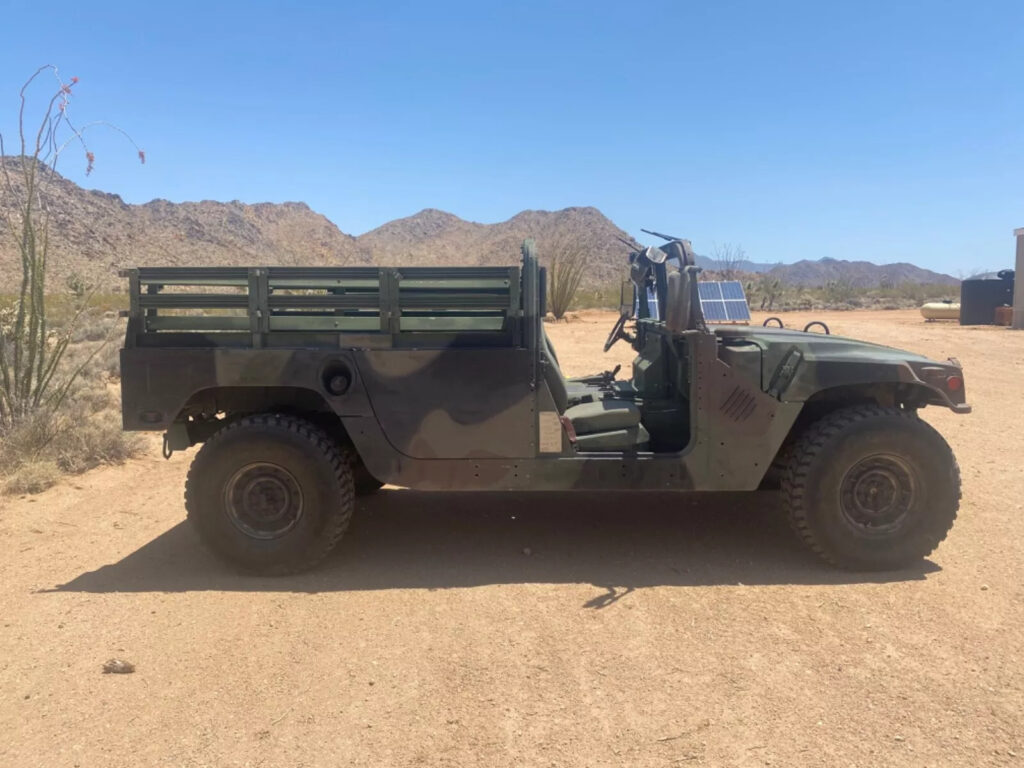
(669, 238)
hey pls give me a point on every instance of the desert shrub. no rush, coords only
(840, 291)
(568, 265)
(32, 477)
(728, 260)
(92, 327)
(600, 297)
(83, 432)
(92, 441)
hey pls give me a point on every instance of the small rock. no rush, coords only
(527, 551)
(984, 587)
(118, 667)
(897, 738)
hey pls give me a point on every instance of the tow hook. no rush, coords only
(176, 438)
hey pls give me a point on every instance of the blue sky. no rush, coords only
(885, 131)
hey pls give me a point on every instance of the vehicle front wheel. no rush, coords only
(871, 488)
(270, 494)
(364, 482)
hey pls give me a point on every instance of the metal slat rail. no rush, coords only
(312, 306)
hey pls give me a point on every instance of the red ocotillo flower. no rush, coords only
(142, 157)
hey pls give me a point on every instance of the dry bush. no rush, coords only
(32, 477)
(568, 265)
(94, 328)
(84, 432)
(90, 442)
(728, 260)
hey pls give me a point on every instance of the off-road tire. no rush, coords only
(307, 462)
(365, 483)
(851, 459)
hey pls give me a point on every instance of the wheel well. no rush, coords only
(908, 396)
(208, 410)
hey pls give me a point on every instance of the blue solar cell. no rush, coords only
(737, 310)
(723, 302)
(733, 290)
(714, 311)
(709, 291)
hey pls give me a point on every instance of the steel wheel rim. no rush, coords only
(263, 500)
(878, 493)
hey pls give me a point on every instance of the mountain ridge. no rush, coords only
(96, 233)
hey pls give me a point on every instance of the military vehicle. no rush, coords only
(308, 386)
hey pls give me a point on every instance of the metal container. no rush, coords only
(979, 298)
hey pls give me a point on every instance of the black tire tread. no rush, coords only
(813, 441)
(364, 483)
(270, 423)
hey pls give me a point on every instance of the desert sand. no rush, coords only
(639, 630)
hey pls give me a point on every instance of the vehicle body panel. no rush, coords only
(438, 379)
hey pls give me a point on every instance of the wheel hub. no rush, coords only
(263, 500)
(877, 493)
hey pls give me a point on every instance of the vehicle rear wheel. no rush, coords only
(871, 488)
(270, 494)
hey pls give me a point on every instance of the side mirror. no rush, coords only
(655, 255)
(626, 299)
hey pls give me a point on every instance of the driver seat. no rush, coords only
(603, 422)
(584, 391)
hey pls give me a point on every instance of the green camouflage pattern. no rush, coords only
(438, 379)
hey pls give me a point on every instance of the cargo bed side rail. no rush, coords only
(311, 306)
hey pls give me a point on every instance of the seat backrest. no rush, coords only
(675, 316)
(681, 289)
(553, 373)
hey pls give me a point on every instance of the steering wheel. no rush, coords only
(618, 332)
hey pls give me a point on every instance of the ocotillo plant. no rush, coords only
(568, 264)
(30, 353)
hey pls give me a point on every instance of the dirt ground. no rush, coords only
(640, 630)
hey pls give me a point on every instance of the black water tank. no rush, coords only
(980, 296)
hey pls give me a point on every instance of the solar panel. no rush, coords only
(723, 302)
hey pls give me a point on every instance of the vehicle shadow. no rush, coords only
(621, 541)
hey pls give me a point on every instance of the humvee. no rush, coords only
(309, 386)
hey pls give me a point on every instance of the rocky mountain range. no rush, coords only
(861, 274)
(93, 234)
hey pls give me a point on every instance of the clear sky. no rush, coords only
(878, 130)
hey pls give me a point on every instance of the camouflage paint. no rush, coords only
(453, 410)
